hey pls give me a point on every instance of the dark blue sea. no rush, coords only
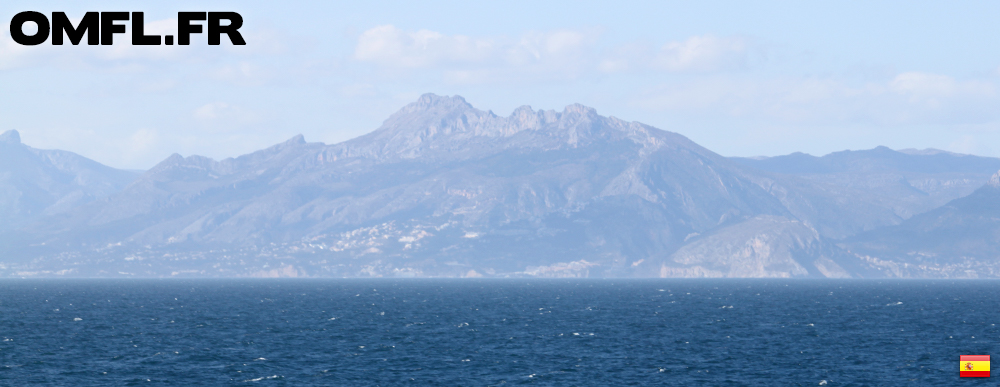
(494, 332)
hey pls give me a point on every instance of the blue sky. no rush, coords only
(741, 78)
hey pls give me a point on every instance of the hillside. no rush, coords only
(445, 189)
(37, 183)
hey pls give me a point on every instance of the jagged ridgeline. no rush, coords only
(444, 189)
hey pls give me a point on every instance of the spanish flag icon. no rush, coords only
(975, 366)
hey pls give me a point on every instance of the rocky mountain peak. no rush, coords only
(449, 127)
(172, 160)
(296, 140)
(580, 109)
(995, 180)
(432, 101)
(525, 117)
(523, 111)
(444, 189)
(10, 137)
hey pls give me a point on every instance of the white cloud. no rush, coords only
(932, 90)
(390, 46)
(224, 116)
(698, 54)
(906, 98)
(464, 59)
(560, 53)
(702, 53)
(558, 46)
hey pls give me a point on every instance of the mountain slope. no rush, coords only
(442, 188)
(36, 183)
(765, 246)
(909, 181)
(961, 238)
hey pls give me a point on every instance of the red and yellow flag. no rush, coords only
(975, 366)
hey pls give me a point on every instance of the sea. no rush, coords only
(494, 332)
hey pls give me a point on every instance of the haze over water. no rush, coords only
(492, 332)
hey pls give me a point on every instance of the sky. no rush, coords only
(742, 78)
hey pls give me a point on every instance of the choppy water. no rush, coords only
(493, 332)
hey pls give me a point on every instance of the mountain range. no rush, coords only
(38, 183)
(445, 189)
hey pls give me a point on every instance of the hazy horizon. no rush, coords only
(748, 79)
(557, 110)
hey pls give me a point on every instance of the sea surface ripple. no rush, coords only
(493, 332)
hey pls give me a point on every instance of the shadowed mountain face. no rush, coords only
(444, 189)
(908, 181)
(441, 180)
(961, 238)
(37, 183)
